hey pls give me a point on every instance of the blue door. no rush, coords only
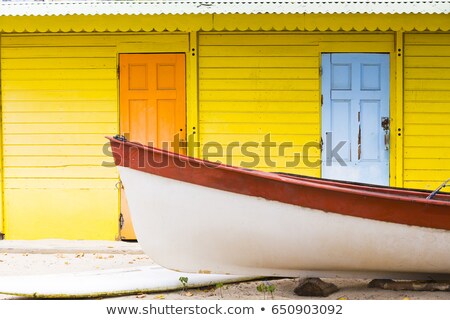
(355, 117)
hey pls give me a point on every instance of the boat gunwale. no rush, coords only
(285, 178)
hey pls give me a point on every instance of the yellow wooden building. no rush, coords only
(372, 73)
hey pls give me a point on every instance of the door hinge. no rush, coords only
(320, 71)
(321, 99)
(321, 144)
(118, 71)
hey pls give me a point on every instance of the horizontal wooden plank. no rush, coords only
(58, 63)
(55, 150)
(57, 128)
(50, 85)
(429, 129)
(442, 50)
(296, 139)
(436, 164)
(250, 117)
(429, 174)
(427, 73)
(427, 141)
(60, 172)
(426, 62)
(258, 106)
(264, 38)
(427, 38)
(299, 165)
(248, 151)
(259, 128)
(258, 51)
(59, 74)
(427, 152)
(55, 139)
(266, 96)
(56, 161)
(428, 118)
(89, 39)
(60, 117)
(427, 84)
(259, 62)
(59, 52)
(425, 184)
(59, 183)
(59, 95)
(60, 106)
(416, 95)
(258, 84)
(427, 107)
(259, 73)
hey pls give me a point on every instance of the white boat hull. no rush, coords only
(191, 228)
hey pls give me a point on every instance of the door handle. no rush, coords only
(385, 124)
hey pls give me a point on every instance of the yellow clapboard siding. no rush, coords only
(427, 153)
(256, 51)
(224, 138)
(254, 84)
(427, 73)
(267, 96)
(282, 154)
(428, 84)
(264, 128)
(426, 118)
(264, 74)
(428, 129)
(60, 183)
(56, 139)
(427, 110)
(263, 39)
(47, 85)
(92, 172)
(238, 117)
(59, 106)
(427, 95)
(90, 39)
(60, 117)
(427, 141)
(55, 161)
(259, 62)
(84, 215)
(427, 174)
(258, 84)
(58, 63)
(428, 107)
(59, 95)
(426, 62)
(419, 164)
(424, 185)
(259, 106)
(59, 52)
(32, 128)
(424, 50)
(429, 38)
(59, 74)
(56, 150)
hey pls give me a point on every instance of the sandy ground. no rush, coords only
(22, 263)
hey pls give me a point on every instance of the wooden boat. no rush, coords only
(198, 216)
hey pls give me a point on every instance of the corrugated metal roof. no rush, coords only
(59, 8)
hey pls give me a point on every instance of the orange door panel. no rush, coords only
(152, 105)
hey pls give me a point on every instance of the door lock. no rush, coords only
(385, 124)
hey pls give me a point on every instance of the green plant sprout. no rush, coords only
(184, 282)
(219, 286)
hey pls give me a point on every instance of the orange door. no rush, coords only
(152, 106)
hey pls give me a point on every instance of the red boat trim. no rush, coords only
(393, 207)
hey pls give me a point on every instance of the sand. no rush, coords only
(38, 263)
